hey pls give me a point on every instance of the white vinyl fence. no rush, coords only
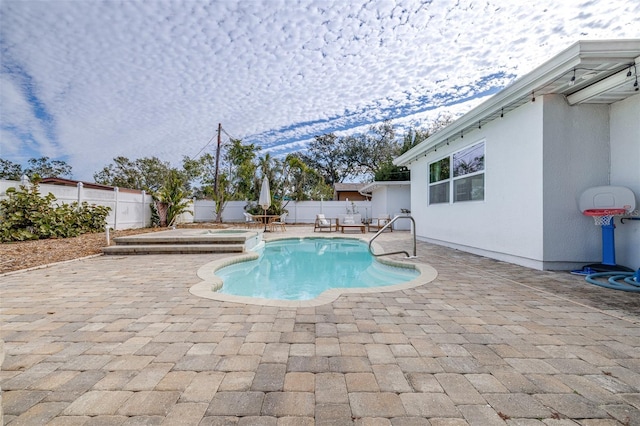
(128, 209)
(133, 210)
(298, 212)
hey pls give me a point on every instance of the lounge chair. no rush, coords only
(281, 221)
(379, 222)
(249, 220)
(322, 223)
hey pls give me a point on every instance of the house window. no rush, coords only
(468, 173)
(439, 181)
(465, 179)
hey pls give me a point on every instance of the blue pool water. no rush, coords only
(301, 269)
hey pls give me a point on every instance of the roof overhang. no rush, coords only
(368, 189)
(602, 71)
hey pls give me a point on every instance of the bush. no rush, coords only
(173, 195)
(26, 215)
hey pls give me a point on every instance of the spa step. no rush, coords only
(172, 249)
(150, 239)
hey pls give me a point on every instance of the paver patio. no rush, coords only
(119, 340)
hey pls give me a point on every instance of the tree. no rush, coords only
(372, 150)
(389, 171)
(44, 167)
(174, 195)
(147, 174)
(412, 138)
(301, 182)
(201, 173)
(236, 174)
(241, 169)
(326, 155)
(10, 170)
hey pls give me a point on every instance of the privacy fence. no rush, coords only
(133, 209)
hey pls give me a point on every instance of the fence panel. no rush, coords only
(132, 210)
(204, 211)
(128, 209)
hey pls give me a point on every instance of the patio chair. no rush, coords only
(379, 222)
(323, 223)
(249, 220)
(279, 222)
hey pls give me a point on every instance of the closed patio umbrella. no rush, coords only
(265, 199)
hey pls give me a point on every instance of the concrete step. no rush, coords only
(172, 249)
(173, 240)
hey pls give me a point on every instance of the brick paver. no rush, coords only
(120, 340)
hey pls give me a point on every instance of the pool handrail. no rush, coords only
(391, 222)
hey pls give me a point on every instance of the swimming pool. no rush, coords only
(210, 283)
(304, 268)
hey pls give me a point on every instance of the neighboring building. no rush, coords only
(348, 191)
(503, 180)
(389, 198)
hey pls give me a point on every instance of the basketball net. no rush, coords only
(602, 220)
(603, 217)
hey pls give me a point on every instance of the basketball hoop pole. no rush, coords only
(605, 218)
(608, 244)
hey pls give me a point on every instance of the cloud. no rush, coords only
(155, 78)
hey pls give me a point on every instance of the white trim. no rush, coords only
(368, 189)
(540, 265)
(602, 86)
(450, 181)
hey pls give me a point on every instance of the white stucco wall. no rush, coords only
(389, 199)
(379, 201)
(507, 225)
(625, 171)
(576, 157)
(539, 159)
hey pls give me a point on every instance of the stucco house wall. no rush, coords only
(569, 125)
(538, 160)
(625, 171)
(388, 198)
(575, 157)
(507, 224)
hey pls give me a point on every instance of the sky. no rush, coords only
(87, 81)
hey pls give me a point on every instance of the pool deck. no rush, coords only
(119, 340)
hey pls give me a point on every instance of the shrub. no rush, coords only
(27, 215)
(173, 195)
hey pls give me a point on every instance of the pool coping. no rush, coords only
(210, 281)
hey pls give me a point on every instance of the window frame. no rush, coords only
(451, 180)
(440, 183)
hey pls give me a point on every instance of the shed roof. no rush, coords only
(88, 185)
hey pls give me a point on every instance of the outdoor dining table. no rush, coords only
(266, 219)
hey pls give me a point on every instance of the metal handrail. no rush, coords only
(391, 222)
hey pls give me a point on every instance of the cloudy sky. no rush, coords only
(86, 81)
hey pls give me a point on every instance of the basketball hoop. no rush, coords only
(602, 217)
(603, 203)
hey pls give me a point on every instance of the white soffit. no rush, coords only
(610, 89)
